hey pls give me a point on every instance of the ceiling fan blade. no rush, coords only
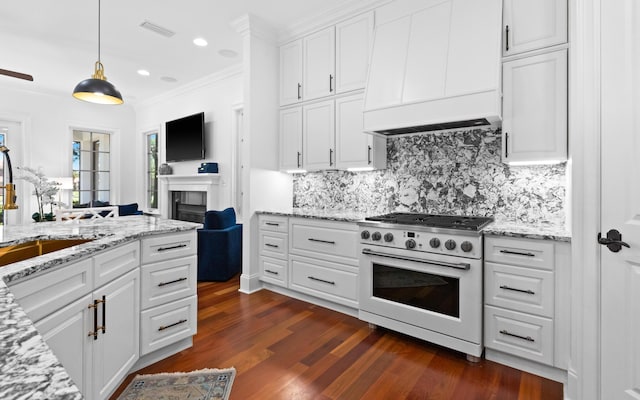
(16, 74)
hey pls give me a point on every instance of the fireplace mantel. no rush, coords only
(209, 183)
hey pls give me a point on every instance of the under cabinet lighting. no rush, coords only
(532, 163)
(296, 171)
(360, 169)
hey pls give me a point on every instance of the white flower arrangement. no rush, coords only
(44, 190)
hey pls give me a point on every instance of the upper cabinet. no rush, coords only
(534, 125)
(333, 60)
(353, 46)
(291, 139)
(291, 73)
(530, 25)
(318, 64)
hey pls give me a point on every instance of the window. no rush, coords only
(152, 170)
(90, 168)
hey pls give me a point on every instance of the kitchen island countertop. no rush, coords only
(28, 368)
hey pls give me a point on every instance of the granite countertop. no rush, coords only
(542, 230)
(28, 368)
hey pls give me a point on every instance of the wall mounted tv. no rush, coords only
(184, 138)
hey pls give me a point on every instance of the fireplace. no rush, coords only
(188, 205)
(188, 197)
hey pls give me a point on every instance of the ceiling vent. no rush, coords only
(157, 29)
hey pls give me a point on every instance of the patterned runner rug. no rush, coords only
(204, 384)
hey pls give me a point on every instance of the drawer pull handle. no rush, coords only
(162, 328)
(178, 246)
(170, 282)
(272, 245)
(322, 241)
(527, 338)
(313, 278)
(528, 291)
(271, 272)
(271, 224)
(517, 253)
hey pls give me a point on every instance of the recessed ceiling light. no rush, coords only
(143, 72)
(200, 42)
(227, 53)
(169, 79)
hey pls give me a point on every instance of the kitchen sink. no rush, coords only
(35, 248)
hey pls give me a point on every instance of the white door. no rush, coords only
(318, 138)
(117, 349)
(65, 332)
(291, 73)
(530, 25)
(291, 139)
(354, 148)
(620, 200)
(353, 45)
(318, 66)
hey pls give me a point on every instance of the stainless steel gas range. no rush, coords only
(421, 274)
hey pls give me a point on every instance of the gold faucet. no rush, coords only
(9, 189)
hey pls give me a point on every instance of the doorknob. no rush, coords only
(613, 241)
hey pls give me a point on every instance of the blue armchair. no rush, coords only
(219, 246)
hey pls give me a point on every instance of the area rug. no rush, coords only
(204, 384)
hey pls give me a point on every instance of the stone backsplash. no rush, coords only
(445, 173)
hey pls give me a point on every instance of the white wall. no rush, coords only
(216, 96)
(47, 120)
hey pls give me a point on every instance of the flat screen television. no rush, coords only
(185, 138)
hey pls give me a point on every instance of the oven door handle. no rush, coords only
(464, 266)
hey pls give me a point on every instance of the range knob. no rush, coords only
(388, 237)
(365, 235)
(434, 242)
(376, 236)
(410, 244)
(466, 246)
(450, 244)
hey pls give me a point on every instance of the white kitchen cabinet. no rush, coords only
(530, 25)
(526, 312)
(354, 148)
(534, 126)
(117, 346)
(65, 332)
(291, 157)
(318, 64)
(353, 46)
(274, 249)
(291, 73)
(318, 135)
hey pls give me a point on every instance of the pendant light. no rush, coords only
(97, 89)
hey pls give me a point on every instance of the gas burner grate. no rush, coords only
(434, 220)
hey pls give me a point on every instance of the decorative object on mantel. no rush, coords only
(165, 169)
(44, 190)
(204, 384)
(208, 168)
(97, 89)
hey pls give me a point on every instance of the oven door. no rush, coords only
(435, 292)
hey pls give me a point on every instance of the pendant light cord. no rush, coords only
(98, 30)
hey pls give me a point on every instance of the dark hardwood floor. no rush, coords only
(284, 348)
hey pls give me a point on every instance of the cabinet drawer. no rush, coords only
(274, 244)
(273, 223)
(160, 248)
(166, 324)
(273, 270)
(521, 289)
(168, 280)
(110, 264)
(323, 279)
(519, 334)
(328, 241)
(47, 292)
(523, 252)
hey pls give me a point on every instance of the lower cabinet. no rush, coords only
(102, 316)
(96, 337)
(317, 258)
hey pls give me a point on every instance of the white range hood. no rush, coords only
(435, 65)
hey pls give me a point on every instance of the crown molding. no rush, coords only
(227, 73)
(314, 23)
(249, 24)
